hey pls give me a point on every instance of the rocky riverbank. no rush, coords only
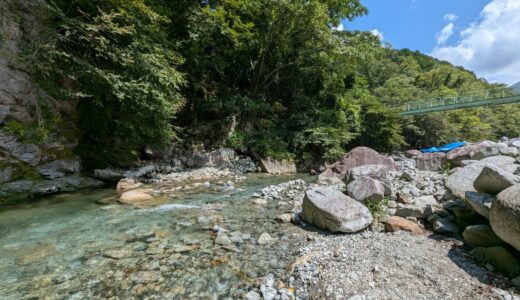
(442, 233)
(371, 227)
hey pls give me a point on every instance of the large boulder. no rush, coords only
(480, 202)
(430, 161)
(379, 172)
(330, 209)
(412, 153)
(476, 151)
(461, 181)
(505, 162)
(500, 258)
(358, 157)
(493, 180)
(481, 236)
(505, 216)
(366, 189)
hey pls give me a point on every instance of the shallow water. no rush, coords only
(72, 247)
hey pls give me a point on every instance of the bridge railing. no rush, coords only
(489, 94)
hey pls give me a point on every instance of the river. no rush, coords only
(78, 246)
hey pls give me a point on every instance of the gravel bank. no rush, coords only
(397, 265)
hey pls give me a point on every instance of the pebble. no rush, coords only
(265, 238)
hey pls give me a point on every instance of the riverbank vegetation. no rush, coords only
(267, 76)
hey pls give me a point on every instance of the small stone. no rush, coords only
(117, 254)
(183, 248)
(222, 239)
(264, 238)
(284, 218)
(443, 225)
(252, 295)
(395, 223)
(260, 201)
(232, 248)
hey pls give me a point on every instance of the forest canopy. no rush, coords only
(271, 77)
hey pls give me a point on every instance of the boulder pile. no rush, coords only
(472, 192)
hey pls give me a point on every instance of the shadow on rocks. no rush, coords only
(459, 255)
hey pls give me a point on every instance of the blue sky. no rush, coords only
(481, 35)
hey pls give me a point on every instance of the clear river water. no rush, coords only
(81, 246)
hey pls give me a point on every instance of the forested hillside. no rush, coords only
(265, 76)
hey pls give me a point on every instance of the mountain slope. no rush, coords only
(516, 87)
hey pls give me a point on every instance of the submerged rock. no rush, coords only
(265, 238)
(330, 209)
(136, 196)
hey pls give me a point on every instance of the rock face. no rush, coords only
(358, 157)
(395, 223)
(505, 216)
(493, 180)
(59, 168)
(330, 209)
(108, 174)
(481, 236)
(480, 202)
(273, 166)
(366, 189)
(48, 165)
(214, 158)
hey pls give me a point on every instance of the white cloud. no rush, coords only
(489, 46)
(450, 17)
(445, 34)
(377, 33)
(340, 27)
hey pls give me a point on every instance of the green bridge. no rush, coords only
(490, 97)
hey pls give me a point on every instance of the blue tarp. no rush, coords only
(445, 148)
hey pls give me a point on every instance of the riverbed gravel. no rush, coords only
(401, 265)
